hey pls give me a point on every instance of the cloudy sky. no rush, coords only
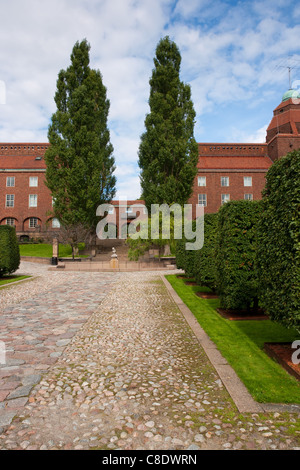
(235, 56)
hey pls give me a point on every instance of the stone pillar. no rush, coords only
(54, 252)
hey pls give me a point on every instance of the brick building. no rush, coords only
(234, 171)
(229, 172)
(226, 171)
(25, 201)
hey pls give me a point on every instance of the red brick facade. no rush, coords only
(25, 201)
(226, 171)
(229, 172)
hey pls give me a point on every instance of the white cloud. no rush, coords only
(257, 137)
(230, 55)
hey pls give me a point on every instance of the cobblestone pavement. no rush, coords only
(126, 373)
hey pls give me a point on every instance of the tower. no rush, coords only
(283, 133)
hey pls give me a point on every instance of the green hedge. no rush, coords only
(9, 250)
(185, 259)
(279, 242)
(237, 280)
(204, 264)
(199, 264)
(180, 254)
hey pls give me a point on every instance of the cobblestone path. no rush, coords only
(127, 373)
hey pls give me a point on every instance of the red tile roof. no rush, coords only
(22, 155)
(234, 162)
(26, 162)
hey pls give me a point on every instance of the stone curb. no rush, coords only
(18, 282)
(236, 389)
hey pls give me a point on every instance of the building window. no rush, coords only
(202, 200)
(10, 182)
(10, 221)
(33, 222)
(10, 200)
(225, 198)
(247, 180)
(32, 200)
(224, 180)
(111, 211)
(248, 197)
(33, 181)
(201, 180)
(55, 223)
(128, 210)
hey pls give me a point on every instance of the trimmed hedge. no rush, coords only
(200, 264)
(279, 242)
(237, 280)
(204, 264)
(185, 259)
(9, 250)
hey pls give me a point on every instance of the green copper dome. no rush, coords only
(291, 93)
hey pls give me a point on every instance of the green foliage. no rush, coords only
(180, 252)
(185, 259)
(9, 250)
(200, 264)
(150, 233)
(79, 160)
(237, 280)
(168, 153)
(204, 266)
(279, 242)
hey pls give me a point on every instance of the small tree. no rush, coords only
(237, 281)
(79, 160)
(73, 235)
(9, 250)
(279, 242)
(147, 238)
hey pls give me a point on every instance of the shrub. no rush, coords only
(237, 281)
(279, 242)
(9, 250)
(204, 265)
(180, 254)
(185, 259)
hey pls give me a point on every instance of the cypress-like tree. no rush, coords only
(80, 163)
(168, 152)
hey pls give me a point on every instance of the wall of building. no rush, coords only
(21, 212)
(236, 189)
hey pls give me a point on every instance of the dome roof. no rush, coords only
(291, 93)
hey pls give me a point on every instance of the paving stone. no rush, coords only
(20, 392)
(6, 418)
(31, 379)
(114, 365)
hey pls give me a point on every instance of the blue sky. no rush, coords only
(235, 56)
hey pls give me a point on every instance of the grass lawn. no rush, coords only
(44, 250)
(241, 343)
(8, 279)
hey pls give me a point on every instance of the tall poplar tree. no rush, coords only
(79, 160)
(168, 152)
